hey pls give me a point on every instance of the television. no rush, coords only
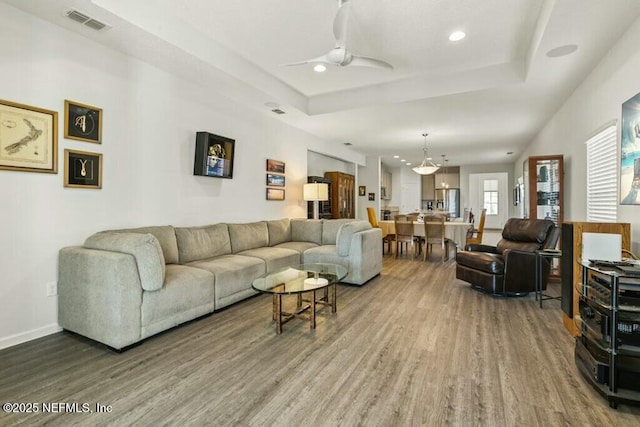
(214, 155)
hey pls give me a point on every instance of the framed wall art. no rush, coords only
(362, 190)
(214, 155)
(82, 122)
(28, 138)
(629, 154)
(275, 194)
(275, 180)
(372, 197)
(275, 166)
(82, 169)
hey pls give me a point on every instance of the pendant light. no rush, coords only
(444, 172)
(427, 167)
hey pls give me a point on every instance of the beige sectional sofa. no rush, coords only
(123, 286)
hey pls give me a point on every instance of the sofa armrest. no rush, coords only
(345, 235)
(99, 295)
(365, 256)
(145, 249)
(473, 247)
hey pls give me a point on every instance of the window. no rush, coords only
(491, 196)
(602, 177)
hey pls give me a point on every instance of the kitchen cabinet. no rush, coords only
(428, 187)
(449, 176)
(342, 194)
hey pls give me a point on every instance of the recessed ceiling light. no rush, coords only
(319, 68)
(457, 36)
(348, 143)
(509, 153)
(402, 160)
(565, 50)
(396, 157)
(408, 164)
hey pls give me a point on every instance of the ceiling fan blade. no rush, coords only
(362, 61)
(340, 23)
(321, 59)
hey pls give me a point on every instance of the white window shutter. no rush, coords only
(602, 176)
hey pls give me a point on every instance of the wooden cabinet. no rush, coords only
(342, 194)
(428, 187)
(450, 177)
(571, 275)
(543, 177)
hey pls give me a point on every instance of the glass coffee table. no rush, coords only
(297, 280)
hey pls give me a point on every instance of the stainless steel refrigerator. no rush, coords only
(449, 200)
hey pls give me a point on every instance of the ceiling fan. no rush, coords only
(340, 56)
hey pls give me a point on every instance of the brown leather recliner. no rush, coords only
(509, 267)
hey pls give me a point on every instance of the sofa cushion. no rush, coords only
(233, 273)
(297, 246)
(145, 248)
(306, 230)
(275, 258)
(345, 233)
(196, 243)
(188, 292)
(166, 235)
(248, 236)
(484, 261)
(330, 230)
(279, 231)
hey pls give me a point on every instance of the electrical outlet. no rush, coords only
(52, 289)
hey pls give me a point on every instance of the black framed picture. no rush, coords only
(275, 194)
(362, 190)
(275, 180)
(275, 166)
(82, 122)
(214, 155)
(82, 169)
(372, 196)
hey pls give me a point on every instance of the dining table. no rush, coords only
(455, 231)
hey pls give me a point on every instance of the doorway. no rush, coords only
(491, 191)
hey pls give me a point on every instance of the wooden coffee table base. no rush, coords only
(306, 311)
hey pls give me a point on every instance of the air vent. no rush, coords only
(278, 111)
(83, 19)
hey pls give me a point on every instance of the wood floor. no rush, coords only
(412, 347)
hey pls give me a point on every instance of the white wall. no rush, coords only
(465, 189)
(149, 124)
(596, 101)
(318, 164)
(369, 176)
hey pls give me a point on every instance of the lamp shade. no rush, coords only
(427, 167)
(315, 191)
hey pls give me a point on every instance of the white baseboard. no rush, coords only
(33, 334)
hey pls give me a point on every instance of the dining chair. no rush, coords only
(474, 235)
(373, 220)
(434, 233)
(404, 233)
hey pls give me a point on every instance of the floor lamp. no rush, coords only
(315, 193)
